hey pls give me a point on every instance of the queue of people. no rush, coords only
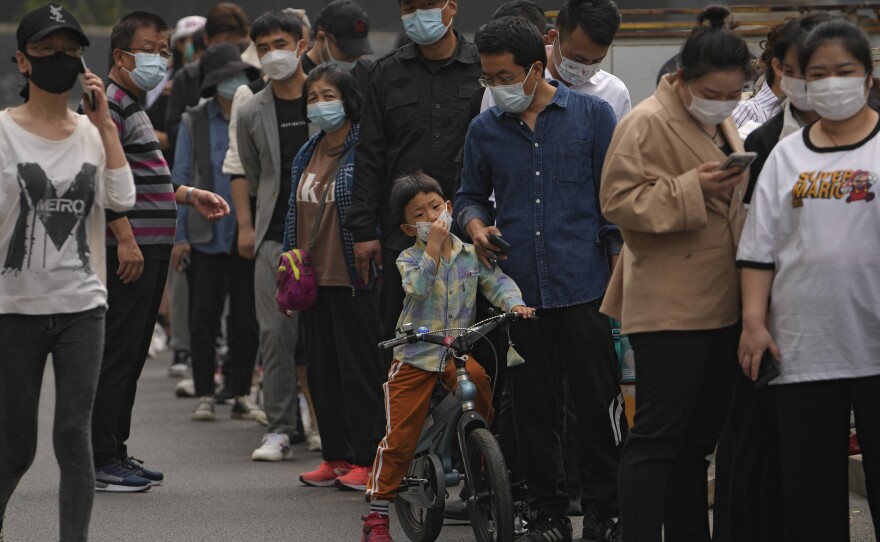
(211, 150)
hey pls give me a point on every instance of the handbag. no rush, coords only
(295, 281)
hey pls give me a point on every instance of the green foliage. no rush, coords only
(87, 12)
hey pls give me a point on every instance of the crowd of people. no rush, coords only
(211, 149)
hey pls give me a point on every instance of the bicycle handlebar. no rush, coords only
(462, 343)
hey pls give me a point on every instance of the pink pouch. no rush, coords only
(297, 287)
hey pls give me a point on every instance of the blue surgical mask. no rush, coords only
(190, 53)
(425, 26)
(149, 70)
(513, 98)
(346, 66)
(328, 116)
(226, 88)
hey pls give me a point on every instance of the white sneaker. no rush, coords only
(275, 447)
(205, 409)
(314, 440)
(244, 409)
(185, 388)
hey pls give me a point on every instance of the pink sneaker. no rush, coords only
(326, 473)
(355, 479)
(376, 528)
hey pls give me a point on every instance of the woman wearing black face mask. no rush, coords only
(58, 173)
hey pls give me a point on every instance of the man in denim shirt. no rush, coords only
(541, 149)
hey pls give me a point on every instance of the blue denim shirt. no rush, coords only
(224, 230)
(546, 185)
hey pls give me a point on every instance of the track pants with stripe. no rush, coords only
(407, 399)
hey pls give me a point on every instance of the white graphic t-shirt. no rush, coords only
(815, 220)
(52, 200)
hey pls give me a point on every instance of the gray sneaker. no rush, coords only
(245, 409)
(205, 409)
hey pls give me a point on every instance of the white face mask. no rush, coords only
(423, 229)
(837, 98)
(280, 64)
(796, 91)
(710, 112)
(573, 72)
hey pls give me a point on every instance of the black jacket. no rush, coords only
(762, 141)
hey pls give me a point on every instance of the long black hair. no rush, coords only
(850, 36)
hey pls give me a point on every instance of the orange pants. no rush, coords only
(407, 399)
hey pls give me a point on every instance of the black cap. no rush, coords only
(221, 62)
(41, 22)
(349, 24)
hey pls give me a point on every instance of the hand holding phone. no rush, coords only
(503, 246)
(740, 160)
(89, 96)
(768, 370)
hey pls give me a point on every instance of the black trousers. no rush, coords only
(210, 276)
(391, 302)
(683, 388)
(345, 372)
(813, 440)
(748, 484)
(131, 317)
(574, 343)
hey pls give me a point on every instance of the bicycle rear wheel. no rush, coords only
(491, 505)
(421, 524)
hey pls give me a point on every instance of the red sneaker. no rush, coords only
(376, 528)
(854, 448)
(326, 473)
(354, 480)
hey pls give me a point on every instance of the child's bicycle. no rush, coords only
(456, 435)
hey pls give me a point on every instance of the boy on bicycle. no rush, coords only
(441, 275)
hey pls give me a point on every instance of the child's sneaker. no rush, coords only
(355, 479)
(326, 473)
(376, 528)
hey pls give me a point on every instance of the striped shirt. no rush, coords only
(154, 215)
(759, 109)
(445, 297)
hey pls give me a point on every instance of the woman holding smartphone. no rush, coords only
(342, 329)
(675, 288)
(59, 171)
(811, 243)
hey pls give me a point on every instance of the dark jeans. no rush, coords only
(345, 372)
(210, 276)
(75, 342)
(574, 343)
(683, 388)
(813, 441)
(748, 487)
(131, 317)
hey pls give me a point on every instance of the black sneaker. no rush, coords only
(224, 397)
(136, 466)
(549, 529)
(116, 477)
(180, 364)
(456, 510)
(522, 517)
(592, 526)
(574, 507)
(610, 531)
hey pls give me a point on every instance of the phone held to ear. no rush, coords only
(740, 160)
(88, 96)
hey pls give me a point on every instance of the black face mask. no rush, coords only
(56, 73)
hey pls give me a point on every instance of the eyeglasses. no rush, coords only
(487, 82)
(164, 54)
(48, 49)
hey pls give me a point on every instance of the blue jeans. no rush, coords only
(76, 342)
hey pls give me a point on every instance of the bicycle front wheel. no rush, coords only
(491, 506)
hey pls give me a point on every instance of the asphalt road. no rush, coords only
(213, 492)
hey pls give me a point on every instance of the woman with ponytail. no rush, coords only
(675, 288)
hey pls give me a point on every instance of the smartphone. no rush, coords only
(374, 275)
(768, 370)
(741, 160)
(503, 246)
(184, 263)
(88, 95)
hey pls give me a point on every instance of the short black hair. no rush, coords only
(850, 36)
(513, 35)
(713, 46)
(406, 187)
(525, 9)
(226, 17)
(599, 19)
(274, 21)
(345, 83)
(791, 33)
(123, 31)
